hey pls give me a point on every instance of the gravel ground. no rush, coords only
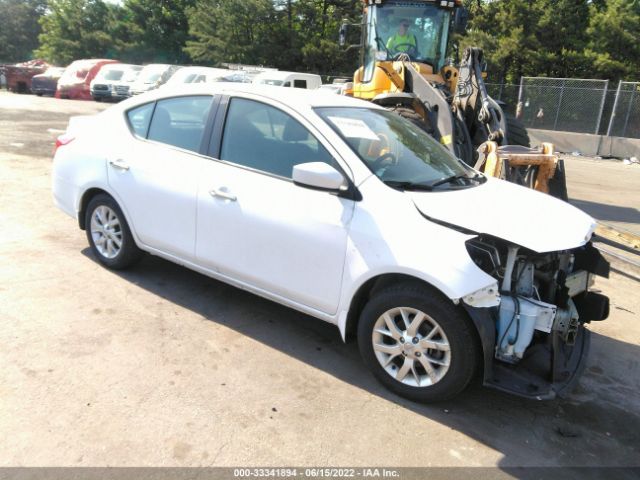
(161, 366)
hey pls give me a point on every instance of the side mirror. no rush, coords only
(460, 20)
(318, 176)
(342, 35)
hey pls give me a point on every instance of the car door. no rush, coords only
(155, 174)
(255, 225)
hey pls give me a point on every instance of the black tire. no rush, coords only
(558, 184)
(128, 253)
(516, 132)
(458, 328)
(413, 116)
(463, 144)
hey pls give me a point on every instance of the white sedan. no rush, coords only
(347, 212)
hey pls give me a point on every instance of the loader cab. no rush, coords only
(419, 30)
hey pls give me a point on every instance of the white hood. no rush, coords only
(528, 218)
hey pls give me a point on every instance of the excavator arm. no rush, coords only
(472, 100)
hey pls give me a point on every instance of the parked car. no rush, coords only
(337, 88)
(46, 83)
(108, 84)
(18, 77)
(197, 75)
(75, 82)
(350, 213)
(152, 76)
(288, 79)
(122, 88)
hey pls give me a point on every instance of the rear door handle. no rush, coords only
(219, 192)
(119, 164)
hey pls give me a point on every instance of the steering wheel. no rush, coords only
(377, 163)
(411, 50)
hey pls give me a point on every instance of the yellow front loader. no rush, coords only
(406, 66)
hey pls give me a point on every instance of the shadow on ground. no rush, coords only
(572, 432)
(608, 213)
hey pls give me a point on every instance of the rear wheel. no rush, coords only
(109, 235)
(417, 343)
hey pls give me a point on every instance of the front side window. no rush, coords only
(180, 121)
(265, 138)
(139, 119)
(397, 151)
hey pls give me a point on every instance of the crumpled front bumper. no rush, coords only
(547, 370)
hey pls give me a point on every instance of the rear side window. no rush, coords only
(139, 119)
(180, 121)
(299, 84)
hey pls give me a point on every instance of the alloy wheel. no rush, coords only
(411, 347)
(106, 231)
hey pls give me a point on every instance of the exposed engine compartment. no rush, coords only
(544, 298)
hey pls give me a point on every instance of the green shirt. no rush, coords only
(398, 39)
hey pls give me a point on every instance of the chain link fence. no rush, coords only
(573, 105)
(564, 104)
(625, 117)
(508, 94)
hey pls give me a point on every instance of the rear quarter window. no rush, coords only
(139, 119)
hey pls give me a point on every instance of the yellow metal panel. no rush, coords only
(493, 165)
(384, 80)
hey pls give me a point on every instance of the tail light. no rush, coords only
(63, 140)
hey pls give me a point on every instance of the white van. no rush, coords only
(289, 79)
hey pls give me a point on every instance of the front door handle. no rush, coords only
(219, 192)
(119, 164)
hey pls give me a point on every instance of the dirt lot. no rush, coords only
(161, 366)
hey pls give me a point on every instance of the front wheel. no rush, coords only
(109, 235)
(417, 343)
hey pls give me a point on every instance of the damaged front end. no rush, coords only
(532, 323)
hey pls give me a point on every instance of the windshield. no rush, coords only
(417, 29)
(111, 74)
(54, 72)
(151, 75)
(132, 74)
(397, 151)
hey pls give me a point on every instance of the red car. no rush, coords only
(76, 79)
(19, 75)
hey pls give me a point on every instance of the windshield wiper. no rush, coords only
(402, 185)
(453, 178)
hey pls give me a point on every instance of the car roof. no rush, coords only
(119, 66)
(196, 68)
(296, 98)
(281, 75)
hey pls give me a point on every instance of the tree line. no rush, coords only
(559, 38)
